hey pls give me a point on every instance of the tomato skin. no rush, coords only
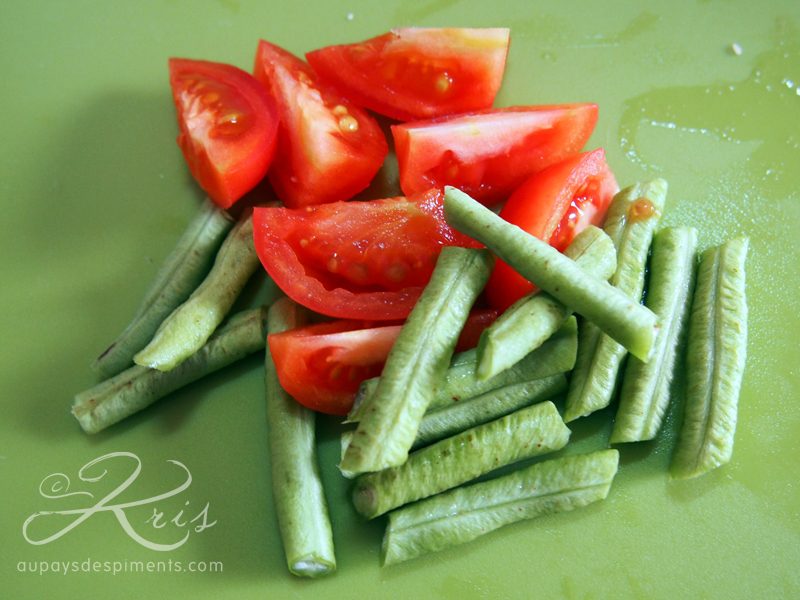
(554, 205)
(328, 148)
(488, 154)
(322, 365)
(355, 260)
(418, 73)
(228, 126)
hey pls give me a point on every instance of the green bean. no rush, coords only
(556, 355)
(296, 487)
(469, 412)
(631, 221)
(645, 389)
(525, 325)
(136, 388)
(365, 392)
(623, 318)
(715, 361)
(419, 357)
(180, 274)
(455, 460)
(460, 382)
(191, 324)
(466, 513)
(344, 441)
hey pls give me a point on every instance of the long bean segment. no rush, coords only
(418, 359)
(180, 274)
(715, 361)
(523, 434)
(461, 382)
(136, 388)
(631, 222)
(469, 412)
(526, 324)
(191, 324)
(556, 355)
(296, 487)
(645, 392)
(624, 319)
(466, 513)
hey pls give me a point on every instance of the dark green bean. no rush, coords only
(178, 277)
(136, 388)
(191, 324)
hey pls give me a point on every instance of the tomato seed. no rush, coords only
(358, 272)
(348, 124)
(333, 265)
(443, 82)
(397, 272)
(231, 118)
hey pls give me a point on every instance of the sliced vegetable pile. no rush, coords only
(440, 327)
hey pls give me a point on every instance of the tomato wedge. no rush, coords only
(356, 260)
(418, 73)
(228, 126)
(322, 365)
(488, 154)
(328, 148)
(555, 205)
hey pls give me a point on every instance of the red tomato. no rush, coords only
(488, 154)
(321, 366)
(228, 126)
(555, 205)
(328, 148)
(355, 260)
(418, 73)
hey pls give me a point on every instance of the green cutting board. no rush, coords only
(94, 194)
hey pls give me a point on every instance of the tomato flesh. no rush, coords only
(418, 73)
(328, 148)
(228, 127)
(554, 205)
(488, 154)
(321, 366)
(355, 260)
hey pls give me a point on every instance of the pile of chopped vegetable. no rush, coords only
(442, 321)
